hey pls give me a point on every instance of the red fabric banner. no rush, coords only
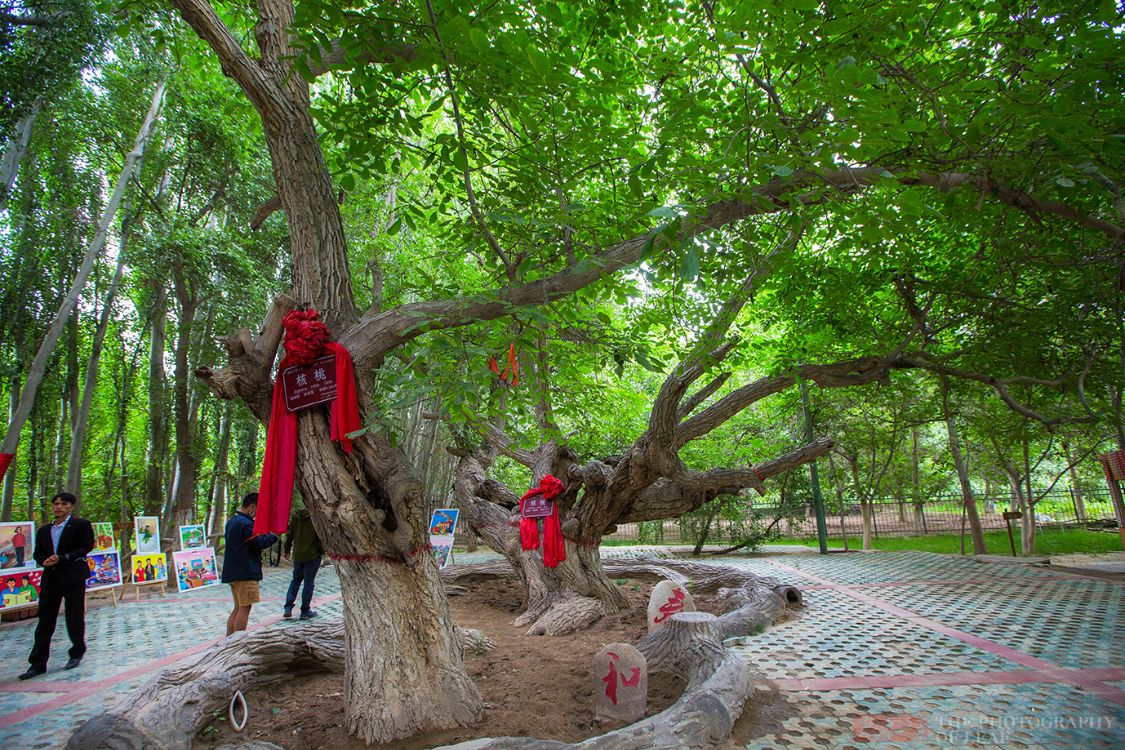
(5, 462)
(554, 547)
(306, 338)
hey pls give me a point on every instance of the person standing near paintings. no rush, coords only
(60, 549)
(307, 552)
(242, 561)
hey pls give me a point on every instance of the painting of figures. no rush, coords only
(105, 570)
(149, 568)
(147, 541)
(195, 568)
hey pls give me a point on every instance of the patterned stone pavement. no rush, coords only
(917, 650)
(893, 650)
(126, 644)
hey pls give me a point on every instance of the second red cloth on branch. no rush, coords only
(306, 338)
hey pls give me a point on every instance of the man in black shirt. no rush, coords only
(61, 548)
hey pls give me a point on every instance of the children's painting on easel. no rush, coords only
(105, 570)
(443, 550)
(20, 589)
(148, 534)
(104, 540)
(17, 543)
(195, 568)
(149, 568)
(193, 537)
(444, 522)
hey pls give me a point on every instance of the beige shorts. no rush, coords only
(245, 593)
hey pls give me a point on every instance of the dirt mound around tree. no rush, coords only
(533, 686)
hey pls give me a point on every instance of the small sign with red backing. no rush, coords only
(311, 384)
(538, 507)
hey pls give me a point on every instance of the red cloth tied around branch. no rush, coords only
(5, 461)
(306, 338)
(554, 548)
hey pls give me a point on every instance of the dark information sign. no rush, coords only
(311, 384)
(538, 507)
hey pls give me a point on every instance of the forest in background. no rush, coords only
(122, 419)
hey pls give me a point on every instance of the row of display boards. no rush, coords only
(194, 563)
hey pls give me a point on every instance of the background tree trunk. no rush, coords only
(969, 500)
(78, 435)
(157, 448)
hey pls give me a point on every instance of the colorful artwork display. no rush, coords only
(148, 534)
(192, 537)
(443, 550)
(104, 540)
(105, 570)
(195, 568)
(20, 589)
(149, 568)
(17, 545)
(444, 522)
(443, 525)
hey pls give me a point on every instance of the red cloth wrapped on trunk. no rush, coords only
(306, 338)
(5, 461)
(554, 547)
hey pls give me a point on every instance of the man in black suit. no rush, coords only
(61, 548)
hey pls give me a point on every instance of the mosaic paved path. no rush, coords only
(894, 650)
(917, 650)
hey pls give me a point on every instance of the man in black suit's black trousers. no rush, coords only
(61, 548)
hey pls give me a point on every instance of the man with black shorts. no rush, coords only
(242, 562)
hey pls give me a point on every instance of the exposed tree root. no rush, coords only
(564, 613)
(167, 711)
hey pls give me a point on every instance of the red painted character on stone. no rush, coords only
(610, 680)
(674, 604)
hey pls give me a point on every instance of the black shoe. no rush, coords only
(308, 615)
(287, 613)
(32, 672)
(74, 662)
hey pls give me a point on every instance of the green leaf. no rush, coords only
(479, 40)
(347, 182)
(689, 266)
(1065, 182)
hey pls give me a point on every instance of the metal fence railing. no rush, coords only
(1060, 508)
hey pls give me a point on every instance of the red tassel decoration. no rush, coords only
(306, 338)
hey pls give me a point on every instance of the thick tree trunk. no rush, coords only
(969, 500)
(78, 435)
(557, 600)
(39, 365)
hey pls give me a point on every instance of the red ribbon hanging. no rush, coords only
(554, 548)
(511, 375)
(5, 461)
(306, 338)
